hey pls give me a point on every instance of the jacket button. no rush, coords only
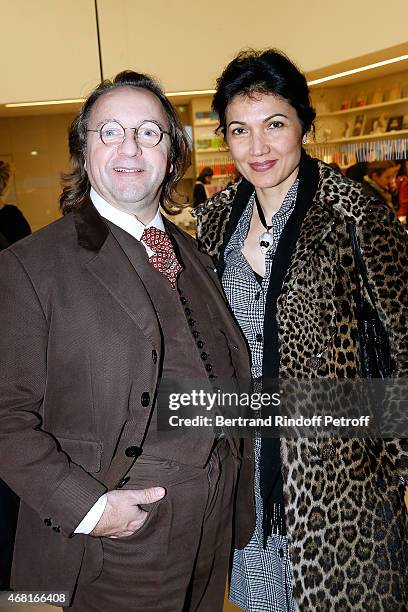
(133, 451)
(204, 356)
(145, 399)
(208, 367)
(154, 355)
(48, 522)
(122, 482)
(183, 300)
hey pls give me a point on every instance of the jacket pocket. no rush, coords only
(86, 453)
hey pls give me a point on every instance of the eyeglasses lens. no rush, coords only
(148, 134)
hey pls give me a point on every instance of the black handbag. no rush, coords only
(374, 345)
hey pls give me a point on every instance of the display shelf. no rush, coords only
(205, 123)
(361, 109)
(382, 136)
(216, 151)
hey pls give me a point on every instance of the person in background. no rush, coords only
(3, 242)
(13, 224)
(200, 193)
(379, 182)
(357, 171)
(402, 187)
(328, 536)
(336, 167)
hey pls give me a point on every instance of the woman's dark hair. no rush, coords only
(357, 171)
(6, 172)
(77, 185)
(379, 167)
(266, 72)
(206, 171)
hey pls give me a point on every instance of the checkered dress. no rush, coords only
(261, 579)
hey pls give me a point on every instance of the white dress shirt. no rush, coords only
(134, 227)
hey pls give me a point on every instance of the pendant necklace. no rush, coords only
(266, 238)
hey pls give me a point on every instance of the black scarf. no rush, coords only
(270, 468)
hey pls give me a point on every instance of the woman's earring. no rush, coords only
(305, 139)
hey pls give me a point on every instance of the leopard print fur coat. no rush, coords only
(344, 498)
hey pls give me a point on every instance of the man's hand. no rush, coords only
(122, 515)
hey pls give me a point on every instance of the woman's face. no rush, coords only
(387, 178)
(264, 135)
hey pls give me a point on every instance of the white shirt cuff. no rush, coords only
(91, 519)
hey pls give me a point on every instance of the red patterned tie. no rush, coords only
(164, 258)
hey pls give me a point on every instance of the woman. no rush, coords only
(13, 224)
(200, 193)
(402, 187)
(380, 183)
(330, 512)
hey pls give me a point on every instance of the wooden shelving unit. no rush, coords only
(366, 107)
(334, 134)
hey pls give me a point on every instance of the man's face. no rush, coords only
(127, 176)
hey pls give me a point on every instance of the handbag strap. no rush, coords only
(359, 262)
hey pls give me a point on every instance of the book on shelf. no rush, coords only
(359, 123)
(395, 123)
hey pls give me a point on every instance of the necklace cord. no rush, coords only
(261, 214)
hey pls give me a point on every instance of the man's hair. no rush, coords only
(76, 183)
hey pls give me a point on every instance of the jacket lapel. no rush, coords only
(112, 268)
(314, 229)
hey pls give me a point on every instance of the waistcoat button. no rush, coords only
(133, 451)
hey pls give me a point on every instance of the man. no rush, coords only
(97, 310)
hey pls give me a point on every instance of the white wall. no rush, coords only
(48, 49)
(186, 43)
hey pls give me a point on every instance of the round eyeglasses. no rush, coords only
(148, 134)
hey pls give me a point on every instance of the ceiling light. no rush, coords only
(198, 92)
(45, 103)
(356, 70)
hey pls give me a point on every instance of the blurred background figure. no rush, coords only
(335, 167)
(3, 242)
(402, 188)
(200, 193)
(13, 224)
(357, 171)
(380, 182)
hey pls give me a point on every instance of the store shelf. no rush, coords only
(205, 123)
(361, 109)
(216, 151)
(382, 136)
